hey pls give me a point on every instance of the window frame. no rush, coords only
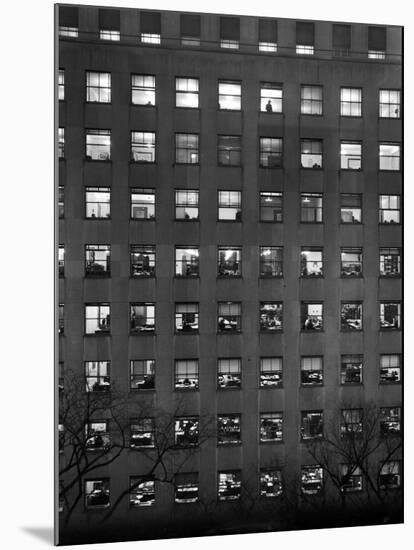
(106, 151)
(148, 375)
(103, 385)
(237, 485)
(145, 251)
(275, 264)
(305, 271)
(397, 368)
(344, 263)
(103, 190)
(351, 359)
(276, 420)
(235, 420)
(226, 273)
(226, 95)
(98, 88)
(227, 152)
(184, 322)
(186, 149)
(381, 210)
(263, 372)
(389, 104)
(143, 143)
(263, 97)
(345, 325)
(193, 381)
(189, 93)
(279, 213)
(304, 303)
(91, 272)
(233, 375)
(311, 142)
(350, 103)
(383, 144)
(187, 205)
(141, 88)
(141, 329)
(384, 254)
(105, 481)
(347, 157)
(304, 359)
(273, 315)
(238, 317)
(319, 434)
(398, 316)
(138, 191)
(271, 151)
(317, 210)
(342, 207)
(194, 271)
(139, 428)
(312, 102)
(105, 328)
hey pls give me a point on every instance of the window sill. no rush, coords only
(382, 329)
(99, 334)
(229, 388)
(271, 112)
(227, 277)
(271, 167)
(229, 332)
(270, 221)
(229, 165)
(312, 276)
(142, 162)
(186, 333)
(96, 276)
(360, 117)
(141, 448)
(353, 384)
(351, 276)
(146, 390)
(142, 333)
(271, 442)
(351, 330)
(271, 277)
(184, 107)
(230, 444)
(143, 105)
(186, 164)
(97, 219)
(396, 276)
(185, 390)
(142, 219)
(312, 114)
(312, 169)
(390, 224)
(312, 385)
(351, 223)
(280, 387)
(311, 331)
(395, 383)
(229, 110)
(186, 277)
(229, 221)
(276, 331)
(316, 223)
(386, 170)
(350, 169)
(135, 277)
(98, 161)
(98, 102)
(186, 220)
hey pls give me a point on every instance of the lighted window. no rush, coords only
(229, 485)
(228, 373)
(97, 375)
(97, 318)
(311, 262)
(271, 372)
(113, 35)
(351, 422)
(61, 85)
(311, 153)
(390, 262)
(271, 98)
(389, 209)
(271, 152)
(186, 487)
(61, 202)
(61, 260)
(142, 204)
(98, 87)
(229, 150)
(311, 480)
(351, 156)
(142, 318)
(98, 202)
(142, 433)
(311, 100)
(229, 317)
(351, 208)
(229, 95)
(229, 261)
(187, 261)
(97, 435)
(377, 42)
(390, 368)
(270, 483)
(389, 104)
(351, 102)
(351, 478)
(142, 89)
(389, 156)
(229, 33)
(302, 49)
(142, 260)
(305, 38)
(311, 316)
(271, 316)
(61, 143)
(271, 427)
(143, 146)
(97, 493)
(228, 429)
(389, 477)
(142, 374)
(268, 35)
(150, 38)
(351, 316)
(351, 369)
(98, 144)
(351, 262)
(141, 492)
(186, 148)
(311, 371)
(229, 205)
(390, 315)
(190, 29)
(186, 204)
(186, 317)
(186, 92)
(186, 374)
(150, 27)
(68, 32)
(186, 431)
(311, 207)
(390, 420)
(311, 425)
(271, 207)
(271, 261)
(97, 260)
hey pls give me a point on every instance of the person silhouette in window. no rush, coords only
(269, 108)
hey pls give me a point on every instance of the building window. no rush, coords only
(267, 35)
(98, 144)
(97, 493)
(98, 202)
(341, 40)
(351, 102)
(389, 156)
(270, 483)
(377, 42)
(390, 420)
(115, 36)
(150, 27)
(311, 316)
(390, 262)
(229, 32)
(61, 202)
(311, 100)
(271, 207)
(351, 156)
(389, 209)
(141, 492)
(97, 435)
(271, 316)
(351, 478)
(351, 208)
(305, 38)
(311, 371)
(229, 205)
(97, 260)
(229, 261)
(97, 318)
(186, 92)
(186, 431)
(228, 373)
(142, 374)
(228, 429)
(229, 485)
(190, 29)
(98, 87)
(186, 317)
(311, 262)
(186, 374)
(311, 480)
(186, 148)
(389, 477)
(390, 368)
(61, 260)
(351, 369)
(97, 374)
(109, 24)
(271, 427)
(142, 318)
(61, 438)
(311, 207)
(389, 104)
(229, 150)
(61, 328)
(271, 372)
(351, 262)
(311, 425)
(142, 260)
(142, 204)
(229, 317)
(143, 146)
(61, 143)
(150, 38)
(186, 204)
(68, 32)
(271, 152)
(311, 153)
(187, 261)
(142, 89)
(271, 97)
(390, 315)
(229, 95)
(186, 487)
(142, 433)
(351, 422)
(271, 261)
(61, 84)
(351, 315)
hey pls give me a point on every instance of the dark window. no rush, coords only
(97, 318)
(61, 327)
(61, 143)
(351, 262)
(389, 104)
(229, 32)
(109, 24)
(267, 35)
(61, 376)
(271, 261)
(186, 374)
(61, 85)
(351, 102)
(142, 318)
(311, 425)
(229, 261)
(142, 374)
(143, 146)
(311, 153)
(271, 427)
(61, 201)
(190, 29)
(389, 156)
(228, 373)
(186, 148)
(186, 204)
(311, 480)
(271, 316)
(271, 207)
(377, 42)
(142, 204)
(311, 207)
(311, 316)
(271, 152)
(271, 372)
(228, 429)
(186, 487)
(187, 261)
(389, 209)
(186, 317)
(98, 202)
(96, 435)
(351, 369)
(142, 260)
(389, 477)
(97, 493)
(311, 262)
(351, 316)
(98, 87)
(68, 21)
(311, 371)
(390, 368)
(351, 478)
(98, 144)
(229, 485)
(142, 89)
(229, 205)
(351, 155)
(229, 150)
(390, 420)
(97, 375)
(270, 483)
(271, 98)
(186, 92)
(186, 431)
(351, 208)
(229, 95)
(390, 315)
(341, 39)
(305, 38)
(311, 101)
(142, 433)
(97, 260)
(141, 492)
(61, 260)
(229, 317)
(150, 27)
(351, 422)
